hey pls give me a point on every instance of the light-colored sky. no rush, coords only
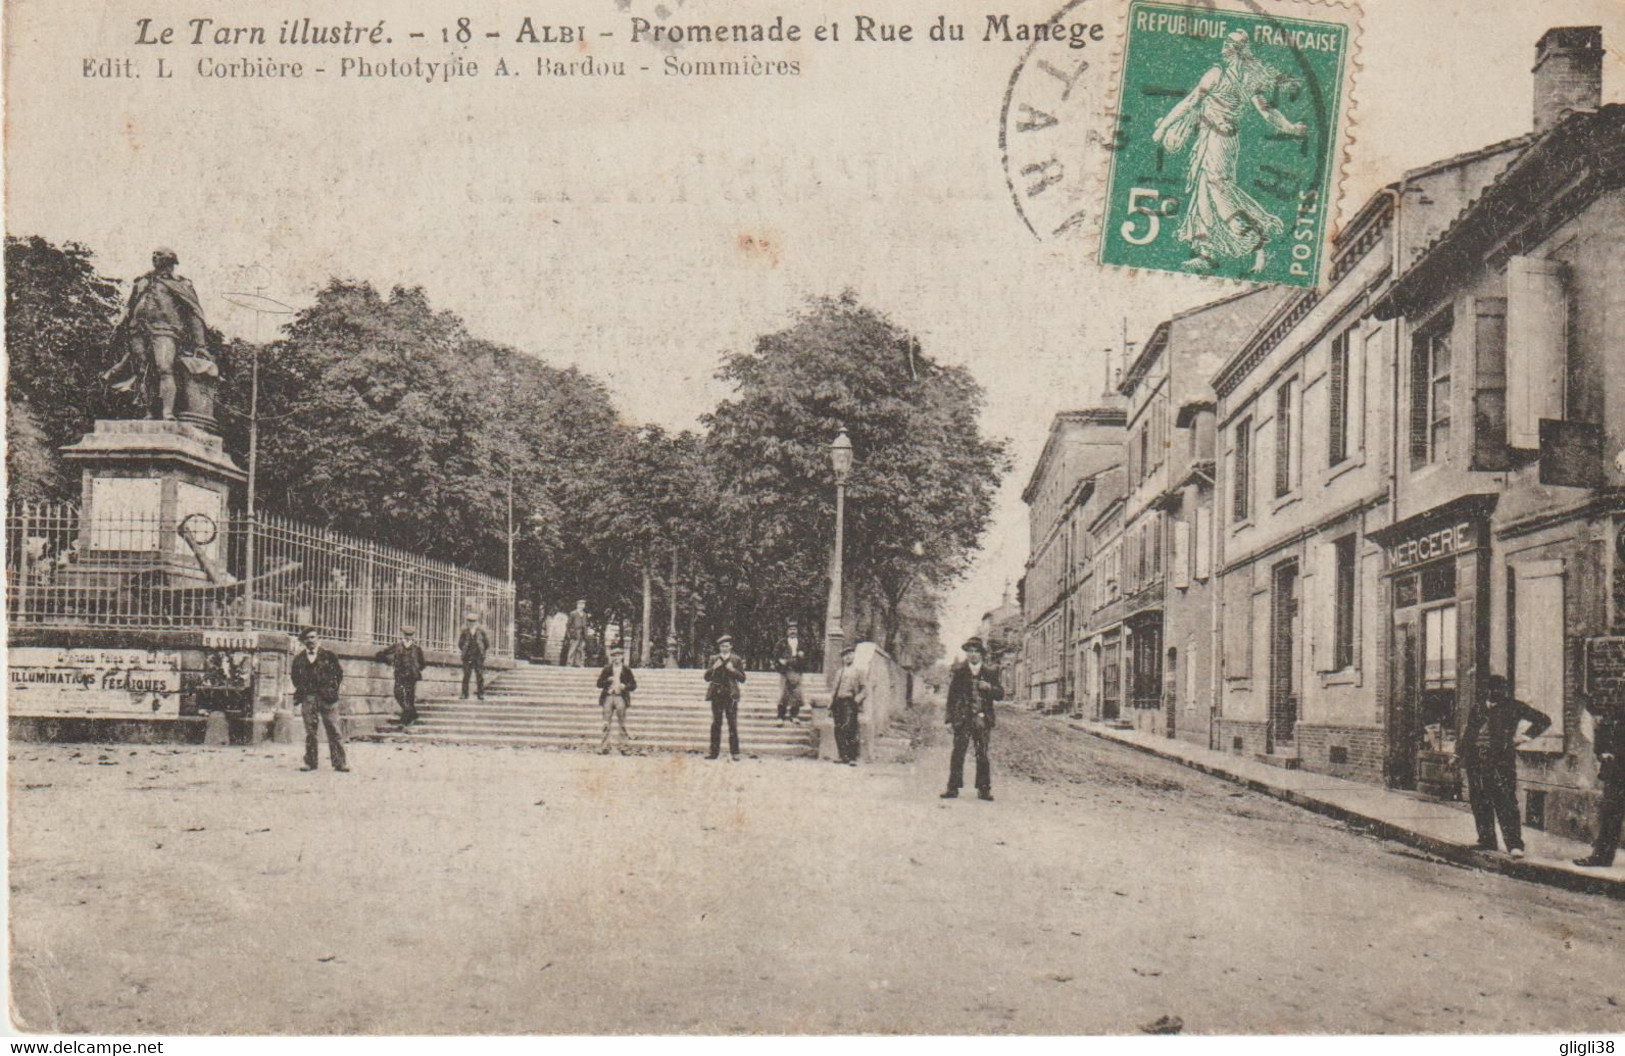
(639, 228)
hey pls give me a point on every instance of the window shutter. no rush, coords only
(1238, 625)
(1180, 559)
(1537, 346)
(1337, 446)
(1420, 381)
(1325, 591)
(1204, 542)
(1538, 632)
(1490, 385)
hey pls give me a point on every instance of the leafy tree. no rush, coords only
(60, 314)
(920, 494)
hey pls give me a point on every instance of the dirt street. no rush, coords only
(473, 890)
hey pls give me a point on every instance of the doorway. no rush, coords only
(1284, 657)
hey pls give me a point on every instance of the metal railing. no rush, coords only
(142, 571)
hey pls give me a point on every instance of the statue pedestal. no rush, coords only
(140, 480)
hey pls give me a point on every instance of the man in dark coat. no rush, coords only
(723, 675)
(615, 685)
(405, 657)
(790, 661)
(1609, 745)
(972, 688)
(851, 689)
(473, 643)
(316, 678)
(162, 328)
(575, 637)
(1488, 755)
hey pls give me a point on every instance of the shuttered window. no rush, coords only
(1337, 441)
(1242, 464)
(1430, 395)
(1180, 558)
(1283, 439)
(1204, 531)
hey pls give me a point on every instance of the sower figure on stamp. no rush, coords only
(972, 688)
(615, 685)
(405, 657)
(316, 676)
(1222, 221)
(575, 636)
(1609, 745)
(1489, 758)
(473, 643)
(790, 662)
(846, 700)
(723, 675)
(162, 330)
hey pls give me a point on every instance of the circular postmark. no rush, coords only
(1054, 130)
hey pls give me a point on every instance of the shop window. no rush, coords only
(1439, 582)
(1439, 676)
(1406, 592)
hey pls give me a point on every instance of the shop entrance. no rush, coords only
(1422, 720)
(1111, 682)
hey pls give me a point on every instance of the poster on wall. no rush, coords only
(94, 683)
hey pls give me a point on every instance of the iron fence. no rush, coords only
(136, 570)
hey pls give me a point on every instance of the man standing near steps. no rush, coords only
(846, 700)
(790, 663)
(972, 689)
(615, 685)
(473, 643)
(405, 657)
(723, 675)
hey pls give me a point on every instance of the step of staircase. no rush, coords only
(558, 708)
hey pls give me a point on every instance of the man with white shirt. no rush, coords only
(972, 689)
(615, 685)
(790, 662)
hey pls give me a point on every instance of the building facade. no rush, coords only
(1080, 445)
(1167, 515)
(1505, 552)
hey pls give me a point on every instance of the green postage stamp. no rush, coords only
(1231, 125)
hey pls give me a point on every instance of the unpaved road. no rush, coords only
(473, 890)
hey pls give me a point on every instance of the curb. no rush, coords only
(1460, 854)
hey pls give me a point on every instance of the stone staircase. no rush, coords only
(558, 707)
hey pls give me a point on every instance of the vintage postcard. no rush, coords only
(626, 519)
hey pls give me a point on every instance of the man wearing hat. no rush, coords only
(615, 685)
(851, 688)
(1608, 745)
(473, 643)
(1488, 754)
(575, 636)
(406, 658)
(972, 688)
(316, 676)
(723, 675)
(790, 662)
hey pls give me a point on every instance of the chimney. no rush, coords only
(1568, 73)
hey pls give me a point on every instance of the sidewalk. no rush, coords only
(1442, 829)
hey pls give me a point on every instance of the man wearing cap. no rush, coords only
(790, 662)
(1608, 745)
(972, 688)
(615, 685)
(473, 643)
(575, 636)
(316, 676)
(406, 658)
(846, 700)
(723, 675)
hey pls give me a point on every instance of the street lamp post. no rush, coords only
(840, 458)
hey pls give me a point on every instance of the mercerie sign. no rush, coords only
(1440, 543)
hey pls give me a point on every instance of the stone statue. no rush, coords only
(162, 338)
